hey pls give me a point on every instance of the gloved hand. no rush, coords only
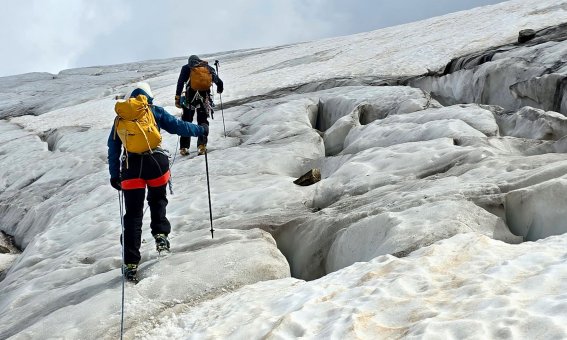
(115, 182)
(205, 129)
(177, 104)
(220, 87)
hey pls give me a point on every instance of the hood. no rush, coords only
(194, 60)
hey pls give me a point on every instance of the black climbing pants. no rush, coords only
(151, 171)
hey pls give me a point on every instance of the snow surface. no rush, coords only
(416, 229)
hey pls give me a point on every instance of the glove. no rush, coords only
(115, 182)
(205, 130)
(177, 104)
(220, 87)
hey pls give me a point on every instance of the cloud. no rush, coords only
(176, 28)
(50, 35)
(47, 35)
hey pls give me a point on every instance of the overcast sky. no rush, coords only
(52, 35)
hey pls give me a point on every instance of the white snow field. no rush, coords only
(432, 220)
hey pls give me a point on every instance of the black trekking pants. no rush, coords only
(151, 170)
(202, 116)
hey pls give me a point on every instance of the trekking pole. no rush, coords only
(220, 96)
(209, 193)
(120, 199)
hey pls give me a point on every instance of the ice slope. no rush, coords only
(411, 233)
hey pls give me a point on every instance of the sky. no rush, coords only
(52, 35)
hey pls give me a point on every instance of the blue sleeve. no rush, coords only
(114, 151)
(175, 125)
(183, 77)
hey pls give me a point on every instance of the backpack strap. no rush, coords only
(150, 113)
(114, 137)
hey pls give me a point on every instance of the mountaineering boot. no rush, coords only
(130, 270)
(184, 152)
(202, 149)
(162, 243)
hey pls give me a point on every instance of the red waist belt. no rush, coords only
(139, 183)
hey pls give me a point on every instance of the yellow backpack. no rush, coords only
(136, 126)
(200, 79)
